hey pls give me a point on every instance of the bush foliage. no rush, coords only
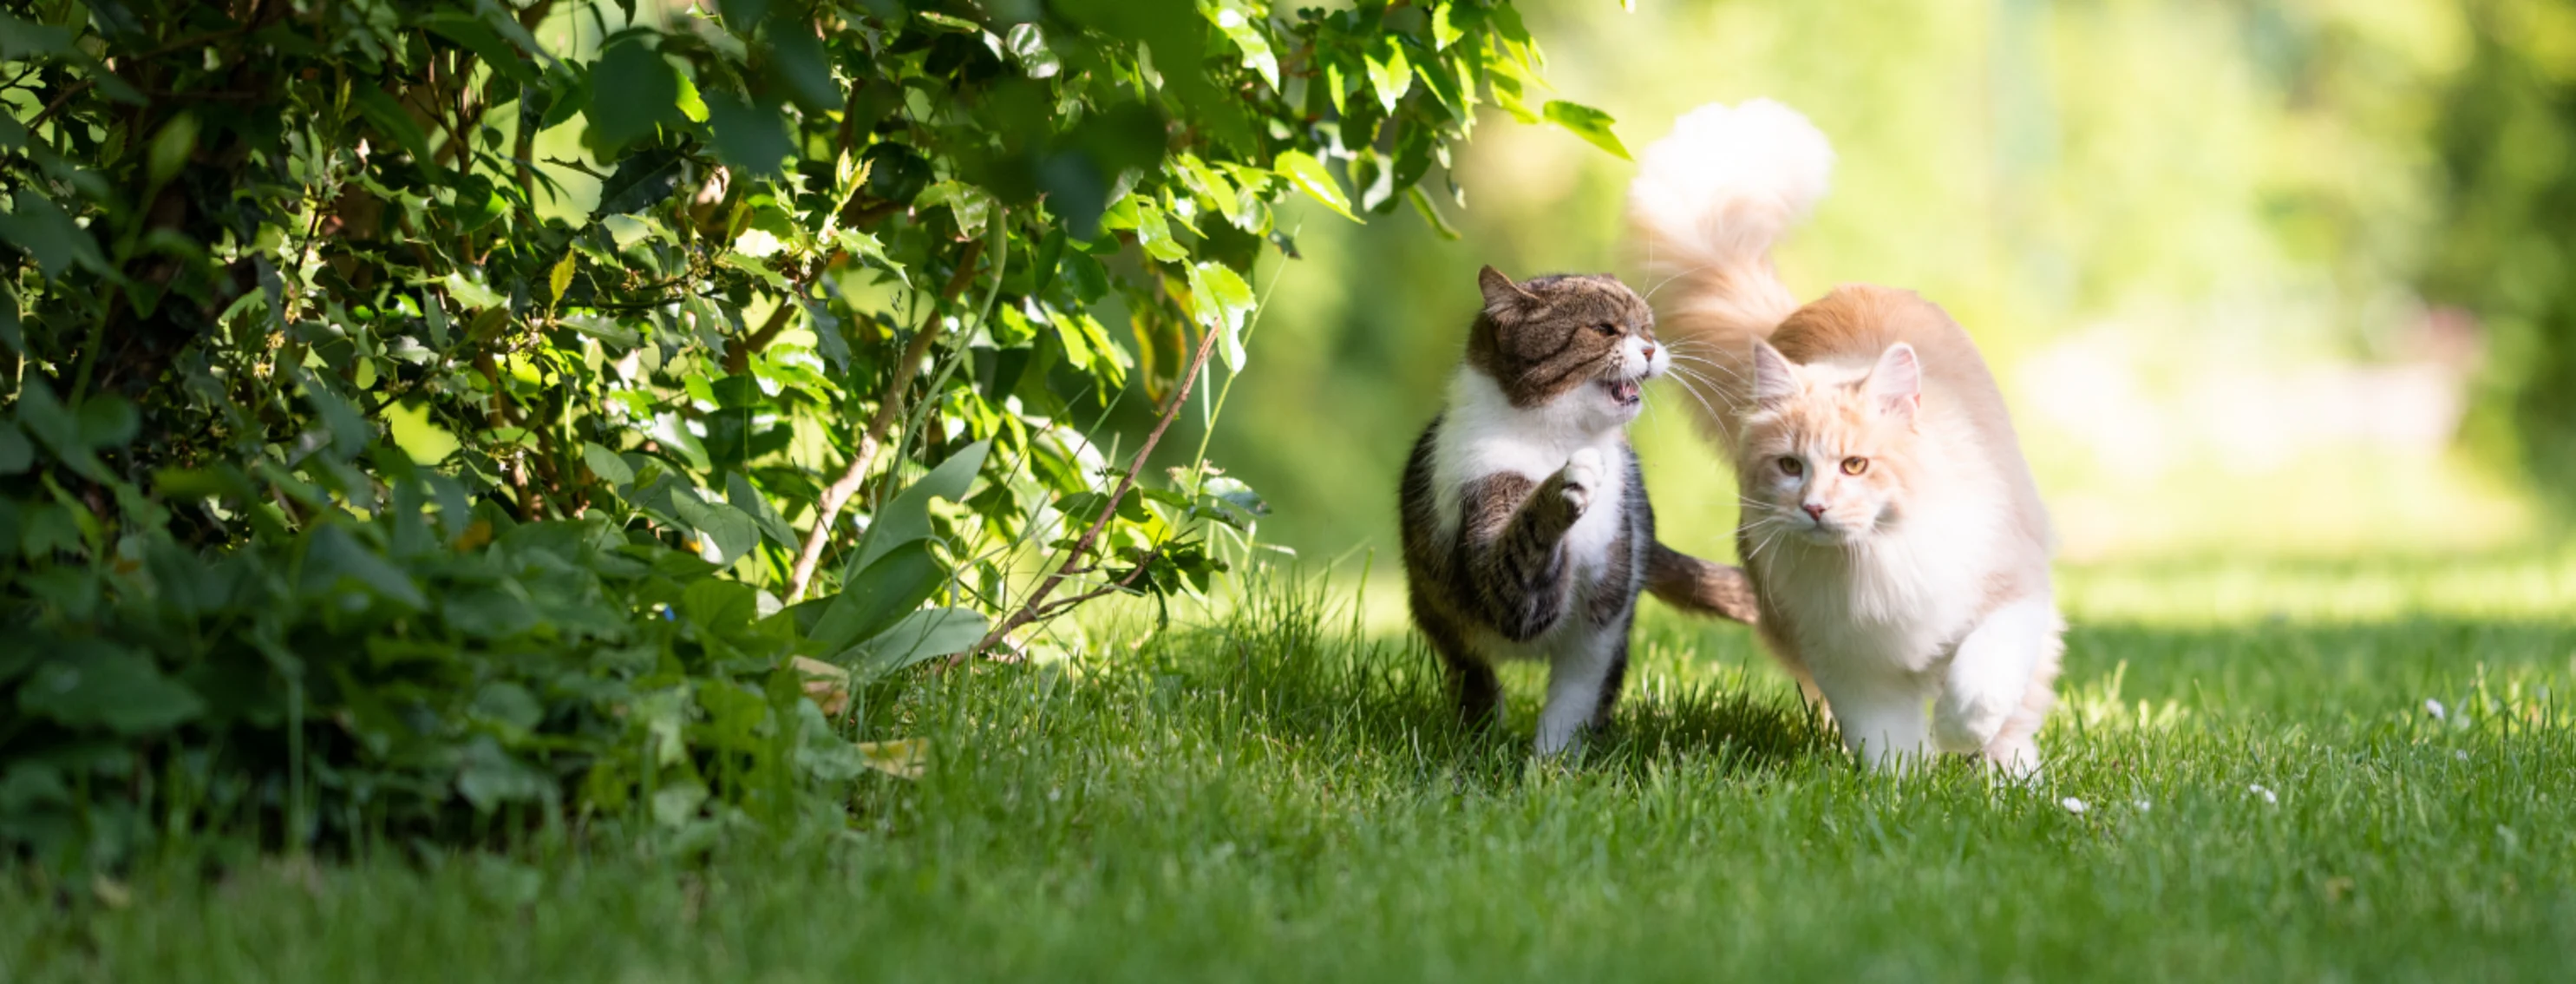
(433, 417)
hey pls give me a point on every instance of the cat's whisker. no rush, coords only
(1692, 382)
(1685, 383)
(1650, 292)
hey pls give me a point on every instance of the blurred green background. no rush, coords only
(2261, 279)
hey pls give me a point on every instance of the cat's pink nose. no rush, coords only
(1815, 510)
(1650, 351)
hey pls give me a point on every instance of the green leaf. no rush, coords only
(474, 296)
(508, 704)
(559, 279)
(35, 224)
(896, 583)
(1308, 174)
(968, 203)
(1591, 124)
(797, 57)
(919, 636)
(91, 683)
(739, 492)
(171, 148)
(107, 421)
(1443, 32)
(16, 454)
(21, 38)
(865, 246)
(1389, 75)
(640, 182)
(1154, 234)
(332, 555)
(906, 518)
(1222, 302)
(478, 37)
(673, 434)
(749, 137)
(606, 464)
(1234, 19)
(388, 117)
(633, 91)
(488, 776)
(424, 442)
(1422, 203)
(729, 532)
(721, 606)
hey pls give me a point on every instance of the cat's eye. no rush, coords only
(1792, 466)
(1606, 329)
(1855, 466)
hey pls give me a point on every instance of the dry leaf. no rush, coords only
(110, 892)
(902, 759)
(826, 684)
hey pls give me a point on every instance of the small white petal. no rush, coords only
(2434, 708)
(2461, 754)
(2258, 790)
(2072, 804)
(2143, 806)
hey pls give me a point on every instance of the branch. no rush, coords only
(738, 355)
(889, 408)
(1030, 610)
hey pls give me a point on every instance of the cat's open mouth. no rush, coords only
(1625, 392)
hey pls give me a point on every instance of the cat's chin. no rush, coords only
(1831, 536)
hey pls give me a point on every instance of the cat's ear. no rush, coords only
(1501, 294)
(1774, 379)
(1895, 385)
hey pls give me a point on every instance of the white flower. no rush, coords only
(2434, 708)
(2460, 753)
(2258, 790)
(2072, 805)
(2143, 806)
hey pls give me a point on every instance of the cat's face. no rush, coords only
(1578, 345)
(1827, 453)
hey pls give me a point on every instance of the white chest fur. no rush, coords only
(1894, 606)
(1483, 434)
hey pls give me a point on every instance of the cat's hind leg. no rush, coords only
(1479, 690)
(1985, 706)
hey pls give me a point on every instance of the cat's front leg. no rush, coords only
(1990, 675)
(1881, 721)
(1582, 682)
(1512, 561)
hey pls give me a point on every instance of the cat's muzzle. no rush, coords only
(1625, 391)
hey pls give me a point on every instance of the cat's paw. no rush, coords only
(1582, 476)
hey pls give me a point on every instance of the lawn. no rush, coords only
(2238, 789)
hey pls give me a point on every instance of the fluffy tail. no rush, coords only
(1697, 586)
(1708, 202)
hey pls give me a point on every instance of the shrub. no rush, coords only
(421, 407)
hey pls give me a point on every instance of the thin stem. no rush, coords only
(889, 409)
(1030, 609)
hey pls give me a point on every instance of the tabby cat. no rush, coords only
(1527, 534)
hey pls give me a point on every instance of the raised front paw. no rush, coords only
(1579, 479)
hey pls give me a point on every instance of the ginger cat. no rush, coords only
(1897, 546)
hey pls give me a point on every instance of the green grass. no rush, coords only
(1272, 798)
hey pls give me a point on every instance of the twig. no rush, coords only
(1030, 609)
(738, 355)
(889, 408)
(1063, 605)
(75, 89)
